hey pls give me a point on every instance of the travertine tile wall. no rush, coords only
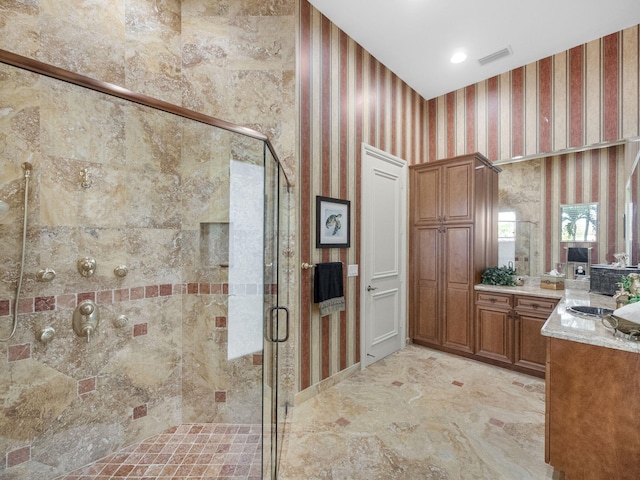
(70, 402)
(154, 182)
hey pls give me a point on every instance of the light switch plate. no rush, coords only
(352, 271)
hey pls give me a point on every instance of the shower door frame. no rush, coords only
(35, 66)
(277, 321)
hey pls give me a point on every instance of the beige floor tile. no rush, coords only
(421, 414)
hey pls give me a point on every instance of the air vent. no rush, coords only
(492, 57)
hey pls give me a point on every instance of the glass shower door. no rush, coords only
(276, 317)
(191, 206)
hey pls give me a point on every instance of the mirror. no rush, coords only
(632, 222)
(520, 216)
(536, 187)
(514, 237)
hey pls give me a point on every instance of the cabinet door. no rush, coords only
(457, 201)
(458, 288)
(426, 316)
(530, 344)
(426, 196)
(494, 327)
(592, 408)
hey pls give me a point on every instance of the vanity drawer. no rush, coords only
(495, 299)
(536, 304)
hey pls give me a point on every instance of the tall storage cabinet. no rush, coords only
(454, 230)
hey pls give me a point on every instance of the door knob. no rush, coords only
(370, 288)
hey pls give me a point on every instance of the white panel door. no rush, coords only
(382, 282)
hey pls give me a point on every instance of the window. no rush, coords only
(578, 223)
(506, 238)
(506, 226)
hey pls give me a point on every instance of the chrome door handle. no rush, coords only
(370, 288)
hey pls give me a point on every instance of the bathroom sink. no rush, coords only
(587, 311)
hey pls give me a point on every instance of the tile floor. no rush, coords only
(421, 414)
(417, 414)
(186, 452)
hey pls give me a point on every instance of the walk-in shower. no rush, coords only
(163, 227)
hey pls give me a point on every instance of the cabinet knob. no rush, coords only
(534, 306)
(493, 300)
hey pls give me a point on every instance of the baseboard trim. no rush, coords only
(314, 390)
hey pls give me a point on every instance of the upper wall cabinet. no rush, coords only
(446, 192)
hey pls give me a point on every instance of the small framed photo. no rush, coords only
(333, 223)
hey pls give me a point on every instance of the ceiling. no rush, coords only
(416, 38)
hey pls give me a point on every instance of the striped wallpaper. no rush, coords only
(583, 96)
(346, 97)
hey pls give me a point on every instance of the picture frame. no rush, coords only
(333, 222)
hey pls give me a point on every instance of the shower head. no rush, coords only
(4, 209)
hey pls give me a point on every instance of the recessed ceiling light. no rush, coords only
(458, 57)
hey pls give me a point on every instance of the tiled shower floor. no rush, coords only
(185, 452)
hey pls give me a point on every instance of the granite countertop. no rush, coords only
(531, 290)
(563, 325)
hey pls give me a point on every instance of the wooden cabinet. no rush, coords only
(530, 346)
(444, 192)
(507, 329)
(426, 272)
(453, 239)
(592, 413)
(494, 327)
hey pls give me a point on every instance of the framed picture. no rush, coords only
(333, 223)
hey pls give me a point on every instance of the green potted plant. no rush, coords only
(628, 293)
(499, 276)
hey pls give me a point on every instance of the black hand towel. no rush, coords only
(328, 288)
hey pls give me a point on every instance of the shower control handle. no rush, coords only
(87, 309)
(85, 319)
(86, 330)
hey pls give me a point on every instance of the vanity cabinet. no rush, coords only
(453, 238)
(508, 330)
(530, 346)
(494, 327)
(592, 411)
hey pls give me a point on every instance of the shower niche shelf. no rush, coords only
(214, 245)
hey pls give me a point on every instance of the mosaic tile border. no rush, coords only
(71, 300)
